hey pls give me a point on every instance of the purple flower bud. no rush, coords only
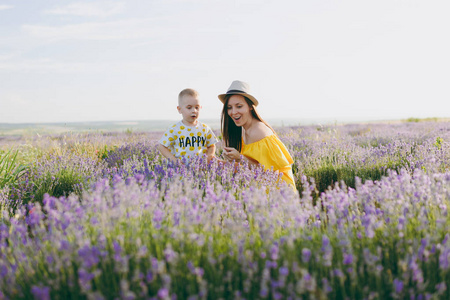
(264, 292)
(163, 293)
(326, 286)
(284, 271)
(398, 285)
(274, 252)
(348, 259)
(42, 293)
(3, 271)
(306, 255)
(90, 256)
(441, 287)
(149, 277)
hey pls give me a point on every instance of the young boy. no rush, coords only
(189, 137)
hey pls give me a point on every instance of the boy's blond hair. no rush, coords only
(187, 92)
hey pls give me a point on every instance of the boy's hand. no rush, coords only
(210, 152)
(166, 152)
(231, 154)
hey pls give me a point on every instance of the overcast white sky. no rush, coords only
(69, 61)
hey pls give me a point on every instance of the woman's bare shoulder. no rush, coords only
(259, 132)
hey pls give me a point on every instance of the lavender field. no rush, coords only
(105, 216)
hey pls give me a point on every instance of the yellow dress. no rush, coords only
(271, 152)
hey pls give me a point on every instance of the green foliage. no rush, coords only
(129, 131)
(61, 176)
(417, 120)
(63, 183)
(103, 152)
(438, 143)
(328, 175)
(10, 169)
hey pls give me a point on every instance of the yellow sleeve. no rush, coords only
(270, 152)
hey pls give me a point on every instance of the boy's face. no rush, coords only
(189, 107)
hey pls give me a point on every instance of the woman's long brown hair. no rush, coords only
(232, 134)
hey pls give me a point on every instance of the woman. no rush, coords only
(245, 132)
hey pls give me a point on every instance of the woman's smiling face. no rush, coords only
(239, 110)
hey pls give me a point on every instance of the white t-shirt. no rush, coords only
(187, 141)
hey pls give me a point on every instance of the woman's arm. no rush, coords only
(251, 161)
(232, 154)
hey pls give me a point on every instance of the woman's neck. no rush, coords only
(248, 127)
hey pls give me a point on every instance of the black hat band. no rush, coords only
(235, 91)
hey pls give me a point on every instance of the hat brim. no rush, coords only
(248, 96)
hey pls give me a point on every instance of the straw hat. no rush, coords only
(238, 87)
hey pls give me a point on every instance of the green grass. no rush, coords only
(328, 175)
(10, 169)
(63, 183)
(417, 120)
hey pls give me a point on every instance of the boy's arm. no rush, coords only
(166, 152)
(210, 152)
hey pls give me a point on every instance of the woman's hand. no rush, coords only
(231, 154)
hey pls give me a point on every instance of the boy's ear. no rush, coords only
(179, 109)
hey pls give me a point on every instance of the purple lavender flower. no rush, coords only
(85, 278)
(158, 217)
(306, 255)
(444, 258)
(42, 293)
(398, 285)
(325, 242)
(264, 292)
(326, 286)
(3, 270)
(90, 256)
(163, 293)
(274, 252)
(441, 288)
(117, 251)
(284, 271)
(149, 277)
(277, 295)
(348, 259)
(338, 273)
